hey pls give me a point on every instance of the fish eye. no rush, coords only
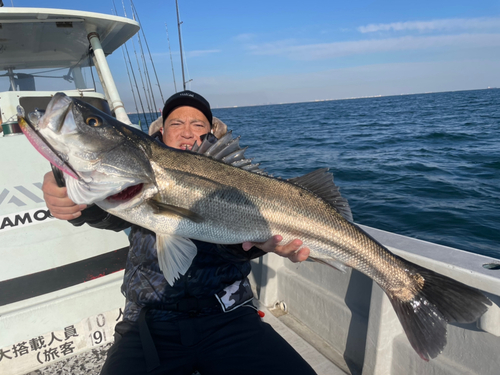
(94, 121)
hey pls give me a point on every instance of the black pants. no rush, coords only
(234, 343)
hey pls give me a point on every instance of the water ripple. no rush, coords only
(426, 166)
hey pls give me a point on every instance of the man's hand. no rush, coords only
(288, 251)
(56, 198)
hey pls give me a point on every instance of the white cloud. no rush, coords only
(244, 37)
(201, 53)
(433, 25)
(165, 54)
(340, 49)
(195, 53)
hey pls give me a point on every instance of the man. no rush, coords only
(204, 321)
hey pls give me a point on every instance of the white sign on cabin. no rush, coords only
(40, 351)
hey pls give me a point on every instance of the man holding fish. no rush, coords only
(202, 319)
(183, 203)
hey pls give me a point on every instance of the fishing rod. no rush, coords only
(149, 87)
(130, 82)
(136, 86)
(126, 66)
(133, 75)
(150, 56)
(180, 45)
(171, 61)
(148, 104)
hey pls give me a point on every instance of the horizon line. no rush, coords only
(349, 98)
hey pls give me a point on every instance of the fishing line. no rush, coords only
(130, 82)
(183, 64)
(136, 87)
(148, 104)
(126, 67)
(149, 87)
(133, 75)
(171, 61)
(147, 46)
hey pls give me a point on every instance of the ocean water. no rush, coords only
(426, 166)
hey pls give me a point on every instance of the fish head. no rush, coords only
(100, 156)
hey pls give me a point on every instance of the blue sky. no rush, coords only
(260, 52)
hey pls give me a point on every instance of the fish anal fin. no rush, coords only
(320, 182)
(331, 263)
(175, 255)
(161, 208)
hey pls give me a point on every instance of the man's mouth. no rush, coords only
(126, 194)
(185, 146)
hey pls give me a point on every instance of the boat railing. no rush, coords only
(354, 322)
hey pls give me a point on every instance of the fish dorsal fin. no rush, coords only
(320, 182)
(218, 147)
(227, 150)
(175, 255)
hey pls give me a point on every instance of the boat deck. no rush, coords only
(90, 363)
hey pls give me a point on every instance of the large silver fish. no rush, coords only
(189, 194)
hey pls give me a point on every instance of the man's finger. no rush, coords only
(290, 250)
(66, 216)
(300, 255)
(269, 246)
(65, 210)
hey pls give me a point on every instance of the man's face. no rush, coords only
(183, 127)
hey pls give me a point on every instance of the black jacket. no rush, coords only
(214, 268)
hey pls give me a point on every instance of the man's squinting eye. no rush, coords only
(94, 121)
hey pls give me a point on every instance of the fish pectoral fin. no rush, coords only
(169, 210)
(175, 255)
(331, 262)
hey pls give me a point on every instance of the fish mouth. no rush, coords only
(126, 194)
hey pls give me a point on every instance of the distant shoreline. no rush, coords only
(357, 97)
(351, 98)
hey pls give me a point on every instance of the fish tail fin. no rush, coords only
(441, 300)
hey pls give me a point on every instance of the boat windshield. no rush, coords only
(81, 77)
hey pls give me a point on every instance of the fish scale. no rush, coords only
(340, 239)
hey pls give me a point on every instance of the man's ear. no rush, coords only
(156, 125)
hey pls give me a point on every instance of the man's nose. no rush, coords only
(187, 132)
